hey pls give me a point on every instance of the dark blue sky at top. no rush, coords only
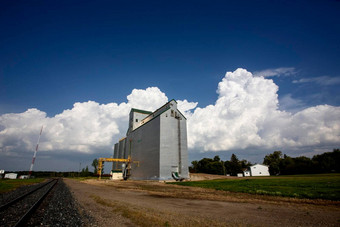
(56, 53)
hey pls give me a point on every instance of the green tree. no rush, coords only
(203, 165)
(95, 165)
(233, 167)
(273, 161)
(217, 158)
(208, 165)
(328, 161)
(85, 172)
(245, 164)
(194, 167)
(303, 165)
(287, 165)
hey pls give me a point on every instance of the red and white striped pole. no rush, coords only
(35, 153)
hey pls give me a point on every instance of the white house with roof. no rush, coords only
(256, 171)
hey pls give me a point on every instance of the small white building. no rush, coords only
(257, 170)
(246, 173)
(11, 176)
(116, 175)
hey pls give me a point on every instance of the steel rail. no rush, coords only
(3, 207)
(27, 215)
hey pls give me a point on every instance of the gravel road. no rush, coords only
(147, 203)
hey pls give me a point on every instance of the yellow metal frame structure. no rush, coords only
(102, 160)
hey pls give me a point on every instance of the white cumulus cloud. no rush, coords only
(293, 105)
(86, 128)
(186, 106)
(149, 99)
(17, 131)
(244, 115)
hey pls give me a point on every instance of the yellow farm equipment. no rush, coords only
(126, 170)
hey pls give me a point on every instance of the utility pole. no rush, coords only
(35, 153)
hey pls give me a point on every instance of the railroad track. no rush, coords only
(18, 211)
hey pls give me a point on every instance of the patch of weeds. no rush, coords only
(262, 192)
(147, 217)
(7, 185)
(139, 216)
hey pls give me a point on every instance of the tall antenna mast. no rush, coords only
(35, 153)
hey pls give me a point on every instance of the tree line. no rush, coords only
(284, 165)
(83, 173)
(217, 166)
(278, 163)
(47, 174)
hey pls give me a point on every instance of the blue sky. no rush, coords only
(56, 53)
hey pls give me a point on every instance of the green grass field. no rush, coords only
(8, 185)
(313, 186)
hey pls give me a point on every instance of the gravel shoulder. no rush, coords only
(58, 209)
(149, 203)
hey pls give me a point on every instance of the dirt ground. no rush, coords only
(150, 203)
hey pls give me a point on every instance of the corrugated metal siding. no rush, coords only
(184, 148)
(115, 155)
(144, 143)
(159, 145)
(121, 150)
(173, 154)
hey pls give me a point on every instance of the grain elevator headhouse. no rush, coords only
(158, 142)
